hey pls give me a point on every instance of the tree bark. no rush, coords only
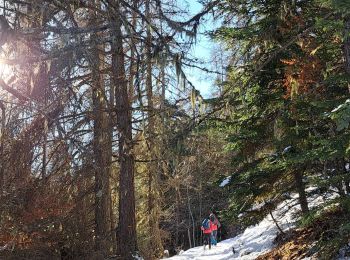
(347, 45)
(127, 245)
(155, 242)
(177, 218)
(298, 178)
(191, 218)
(43, 169)
(133, 55)
(339, 171)
(102, 157)
(2, 133)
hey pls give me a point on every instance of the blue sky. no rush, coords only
(202, 50)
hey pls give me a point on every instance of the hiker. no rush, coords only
(215, 225)
(207, 228)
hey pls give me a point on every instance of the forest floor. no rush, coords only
(297, 245)
(304, 243)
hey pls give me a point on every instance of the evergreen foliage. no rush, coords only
(286, 91)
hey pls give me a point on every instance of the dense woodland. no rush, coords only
(109, 151)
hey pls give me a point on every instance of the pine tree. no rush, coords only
(279, 100)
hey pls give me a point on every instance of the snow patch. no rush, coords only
(340, 106)
(285, 150)
(225, 181)
(258, 206)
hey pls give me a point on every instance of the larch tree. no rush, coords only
(102, 142)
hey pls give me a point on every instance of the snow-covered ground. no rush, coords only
(255, 240)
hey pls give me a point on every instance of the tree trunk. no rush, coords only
(200, 209)
(177, 217)
(155, 242)
(346, 179)
(276, 223)
(43, 169)
(340, 167)
(189, 237)
(112, 186)
(102, 146)
(2, 133)
(191, 218)
(347, 44)
(127, 220)
(298, 178)
(133, 55)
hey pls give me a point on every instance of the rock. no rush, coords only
(166, 253)
(245, 252)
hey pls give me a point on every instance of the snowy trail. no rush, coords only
(255, 240)
(222, 251)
